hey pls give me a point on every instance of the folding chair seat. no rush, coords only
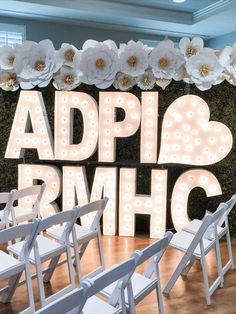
(143, 284)
(83, 235)
(11, 268)
(84, 299)
(18, 214)
(222, 230)
(5, 198)
(196, 247)
(46, 249)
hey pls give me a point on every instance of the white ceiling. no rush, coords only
(205, 18)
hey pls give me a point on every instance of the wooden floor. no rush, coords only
(186, 296)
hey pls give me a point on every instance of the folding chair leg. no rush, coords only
(29, 287)
(219, 264)
(70, 267)
(159, 297)
(49, 272)
(82, 249)
(230, 249)
(181, 266)
(205, 278)
(12, 285)
(40, 283)
(130, 299)
(101, 256)
(188, 267)
(77, 262)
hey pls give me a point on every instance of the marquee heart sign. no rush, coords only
(188, 137)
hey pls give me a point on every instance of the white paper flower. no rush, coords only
(189, 47)
(204, 69)
(227, 59)
(66, 54)
(66, 79)
(8, 81)
(35, 63)
(7, 57)
(98, 63)
(165, 60)
(133, 58)
(124, 82)
(146, 81)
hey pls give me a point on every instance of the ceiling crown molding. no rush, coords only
(213, 9)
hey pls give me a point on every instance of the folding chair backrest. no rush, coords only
(203, 231)
(30, 191)
(119, 273)
(27, 231)
(230, 204)
(98, 206)
(155, 249)
(8, 199)
(116, 272)
(66, 303)
(217, 216)
(59, 218)
(206, 222)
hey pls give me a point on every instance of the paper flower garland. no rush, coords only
(104, 64)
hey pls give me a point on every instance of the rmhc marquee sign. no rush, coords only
(187, 137)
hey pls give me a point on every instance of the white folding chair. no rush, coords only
(19, 214)
(143, 284)
(222, 230)
(84, 235)
(5, 198)
(196, 247)
(46, 249)
(12, 268)
(84, 299)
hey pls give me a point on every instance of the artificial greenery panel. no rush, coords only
(221, 100)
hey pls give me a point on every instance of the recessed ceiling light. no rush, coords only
(179, 1)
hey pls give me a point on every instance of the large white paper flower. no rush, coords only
(166, 61)
(146, 81)
(227, 59)
(98, 63)
(133, 58)
(35, 63)
(66, 79)
(204, 69)
(124, 82)
(7, 57)
(66, 54)
(189, 47)
(8, 81)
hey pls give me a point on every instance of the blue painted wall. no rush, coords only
(222, 41)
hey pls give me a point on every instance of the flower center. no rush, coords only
(9, 80)
(100, 64)
(163, 63)
(125, 81)
(204, 70)
(146, 81)
(11, 59)
(69, 79)
(191, 51)
(132, 61)
(69, 55)
(39, 65)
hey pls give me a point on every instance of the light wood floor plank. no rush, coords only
(186, 296)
